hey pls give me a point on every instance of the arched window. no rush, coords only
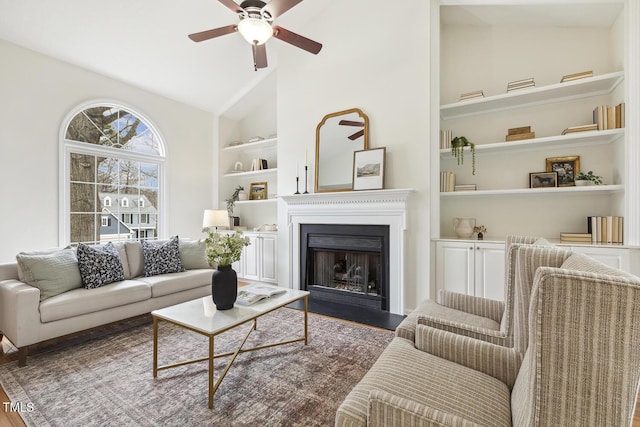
(110, 153)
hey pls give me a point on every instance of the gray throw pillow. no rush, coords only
(193, 254)
(53, 273)
(161, 258)
(99, 265)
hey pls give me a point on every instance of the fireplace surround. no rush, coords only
(372, 207)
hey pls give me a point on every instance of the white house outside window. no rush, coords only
(112, 158)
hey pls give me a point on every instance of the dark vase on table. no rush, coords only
(224, 287)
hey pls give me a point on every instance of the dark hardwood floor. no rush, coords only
(8, 353)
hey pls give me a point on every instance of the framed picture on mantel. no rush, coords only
(368, 169)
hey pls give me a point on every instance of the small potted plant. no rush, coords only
(480, 229)
(588, 179)
(457, 149)
(231, 203)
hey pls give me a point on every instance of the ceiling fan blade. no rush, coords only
(276, 8)
(216, 32)
(259, 56)
(296, 39)
(350, 123)
(356, 135)
(235, 7)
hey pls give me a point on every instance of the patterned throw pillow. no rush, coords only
(99, 265)
(161, 258)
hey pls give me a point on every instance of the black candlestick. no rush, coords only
(297, 182)
(305, 179)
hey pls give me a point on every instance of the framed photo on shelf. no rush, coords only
(368, 169)
(258, 191)
(566, 167)
(543, 179)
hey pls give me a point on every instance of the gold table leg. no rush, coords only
(211, 357)
(155, 347)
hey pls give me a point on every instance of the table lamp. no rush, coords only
(215, 218)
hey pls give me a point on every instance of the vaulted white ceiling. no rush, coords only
(145, 43)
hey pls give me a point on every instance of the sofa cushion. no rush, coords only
(82, 301)
(99, 265)
(161, 258)
(193, 254)
(167, 284)
(135, 259)
(53, 273)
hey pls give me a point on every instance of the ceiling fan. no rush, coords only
(356, 135)
(256, 26)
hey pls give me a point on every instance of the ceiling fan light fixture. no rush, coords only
(255, 31)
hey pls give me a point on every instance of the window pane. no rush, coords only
(129, 173)
(149, 175)
(108, 171)
(81, 198)
(82, 167)
(84, 227)
(150, 197)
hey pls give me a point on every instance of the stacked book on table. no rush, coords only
(576, 237)
(517, 134)
(520, 84)
(464, 187)
(582, 128)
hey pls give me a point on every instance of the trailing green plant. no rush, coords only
(457, 149)
(589, 176)
(231, 201)
(224, 248)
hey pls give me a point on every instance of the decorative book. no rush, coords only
(248, 295)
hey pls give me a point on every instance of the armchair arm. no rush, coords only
(484, 307)
(497, 361)
(386, 410)
(19, 312)
(488, 334)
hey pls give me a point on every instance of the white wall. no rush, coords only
(36, 93)
(383, 72)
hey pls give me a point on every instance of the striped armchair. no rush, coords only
(481, 318)
(581, 366)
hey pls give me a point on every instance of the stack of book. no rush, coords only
(464, 187)
(471, 95)
(516, 134)
(520, 84)
(447, 182)
(576, 237)
(445, 138)
(576, 76)
(259, 164)
(609, 117)
(605, 229)
(582, 128)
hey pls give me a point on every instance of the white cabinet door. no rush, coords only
(489, 271)
(250, 258)
(471, 267)
(268, 259)
(455, 267)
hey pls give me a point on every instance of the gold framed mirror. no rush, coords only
(338, 136)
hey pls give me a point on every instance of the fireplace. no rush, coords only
(346, 263)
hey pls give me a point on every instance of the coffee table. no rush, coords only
(201, 316)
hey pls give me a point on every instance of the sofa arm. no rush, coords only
(491, 309)
(497, 361)
(19, 312)
(385, 410)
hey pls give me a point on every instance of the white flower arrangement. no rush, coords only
(224, 249)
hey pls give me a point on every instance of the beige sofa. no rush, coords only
(26, 320)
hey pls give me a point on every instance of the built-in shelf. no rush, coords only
(249, 202)
(263, 172)
(591, 86)
(258, 145)
(536, 191)
(576, 139)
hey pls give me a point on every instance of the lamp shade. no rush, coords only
(255, 31)
(215, 218)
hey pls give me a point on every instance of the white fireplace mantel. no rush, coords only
(372, 207)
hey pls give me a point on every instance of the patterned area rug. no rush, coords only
(109, 381)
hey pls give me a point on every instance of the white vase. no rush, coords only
(242, 195)
(464, 227)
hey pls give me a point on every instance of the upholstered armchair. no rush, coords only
(581, 366)
(481, 318)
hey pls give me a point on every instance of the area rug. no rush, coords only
(108, 380)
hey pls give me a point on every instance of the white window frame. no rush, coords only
(107, 202)
(68, 146)
(124, 203)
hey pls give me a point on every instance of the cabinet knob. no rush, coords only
(471, 248)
